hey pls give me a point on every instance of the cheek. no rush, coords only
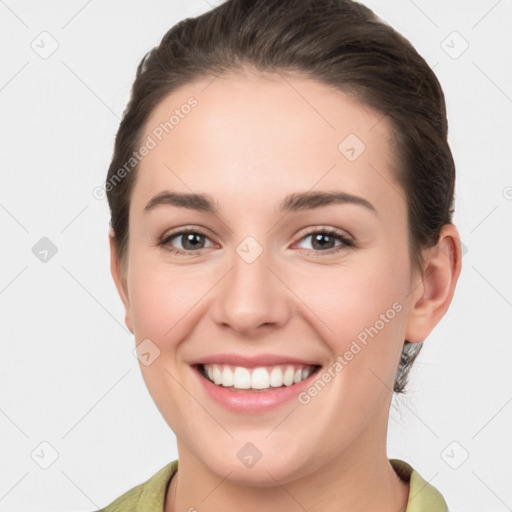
(164, 307)
(360, 312)
(161, 298)
(346, 300)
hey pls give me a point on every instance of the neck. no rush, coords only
(361, 479)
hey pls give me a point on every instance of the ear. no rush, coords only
(432, 292)
(119, 276)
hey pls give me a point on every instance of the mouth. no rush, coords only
(258, 379)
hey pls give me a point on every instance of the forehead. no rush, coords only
(263, 134)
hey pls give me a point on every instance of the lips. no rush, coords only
(254, 373)
(253, 384)
(253, 361)
(249, 400)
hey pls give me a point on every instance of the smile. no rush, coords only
(256, 379)
(253, 384)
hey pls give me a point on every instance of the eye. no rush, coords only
(190, 241)
(324, 240)
(193, 240)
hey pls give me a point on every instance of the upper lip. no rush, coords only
(253, 361)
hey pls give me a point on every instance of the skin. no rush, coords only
(252, 140)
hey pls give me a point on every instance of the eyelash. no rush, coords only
(345, 241)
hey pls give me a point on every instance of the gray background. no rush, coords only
(71, 388)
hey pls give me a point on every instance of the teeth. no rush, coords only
(240, 377)
(276, 377)
(288, 376)
(217, 375)
(260, 379)
(227, 376)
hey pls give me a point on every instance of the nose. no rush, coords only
(252, 297)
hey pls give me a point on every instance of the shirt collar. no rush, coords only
(423, 496)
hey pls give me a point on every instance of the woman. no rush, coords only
(281, 196)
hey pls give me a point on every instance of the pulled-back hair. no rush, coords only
(340, 43)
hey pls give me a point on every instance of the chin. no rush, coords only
(270, 469)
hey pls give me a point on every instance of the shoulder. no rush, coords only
(148, 495)
(423, 496)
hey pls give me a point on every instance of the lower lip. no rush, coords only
(252, 401)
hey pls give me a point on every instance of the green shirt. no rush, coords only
(149, 496)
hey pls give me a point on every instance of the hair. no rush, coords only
(340, 43)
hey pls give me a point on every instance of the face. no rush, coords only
(299, 300)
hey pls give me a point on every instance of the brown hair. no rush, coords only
(338, 42)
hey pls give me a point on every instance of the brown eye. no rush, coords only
(190, 241)
(326, 241)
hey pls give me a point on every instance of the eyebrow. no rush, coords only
(298, 201)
